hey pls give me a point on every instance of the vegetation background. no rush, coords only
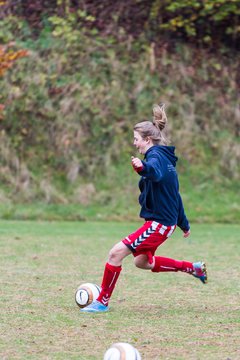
(75, 75)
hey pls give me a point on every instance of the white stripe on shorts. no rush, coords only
(154, 225)
(162, 229)
(171, 231)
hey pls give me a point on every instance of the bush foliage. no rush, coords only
(211, 22)
(69, 106)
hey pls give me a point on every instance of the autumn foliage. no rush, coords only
(8, 57)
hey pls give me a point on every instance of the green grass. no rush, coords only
(205, 201)
(166, 316)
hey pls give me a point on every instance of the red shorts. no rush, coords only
(147, 238)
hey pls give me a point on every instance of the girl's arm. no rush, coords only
(149, 169)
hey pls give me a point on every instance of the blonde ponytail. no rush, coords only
(159, 116)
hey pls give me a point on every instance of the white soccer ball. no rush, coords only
(122, 351)
(86, 294)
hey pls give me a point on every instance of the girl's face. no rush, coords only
(141, 144)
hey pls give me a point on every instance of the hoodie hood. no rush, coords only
(168, 151)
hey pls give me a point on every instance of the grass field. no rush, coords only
(165, 316)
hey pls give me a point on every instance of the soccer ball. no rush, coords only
(122, 351)
(86, 294)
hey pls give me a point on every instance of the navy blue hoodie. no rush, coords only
(160, 199)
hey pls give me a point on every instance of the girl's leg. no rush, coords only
(163, 264)
(142, 261)
(112, 271)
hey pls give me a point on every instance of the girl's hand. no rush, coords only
(137, 164)
(186, 233)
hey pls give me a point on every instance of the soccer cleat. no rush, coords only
(94, 307)
(200, 271)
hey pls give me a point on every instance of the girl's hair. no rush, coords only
(154, 129)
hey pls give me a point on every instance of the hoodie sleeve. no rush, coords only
(182, 219)
(151, 169)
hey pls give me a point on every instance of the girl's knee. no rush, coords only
(118, 253)
(112, 254)
(141, 262)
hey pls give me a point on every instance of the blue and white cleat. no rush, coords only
(200, 271)
(95, 307)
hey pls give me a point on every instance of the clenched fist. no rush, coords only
(137, 164)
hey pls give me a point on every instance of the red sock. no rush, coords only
(110, 276)
(165, 264)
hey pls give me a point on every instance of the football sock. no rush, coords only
(163, 264)
(110, 276)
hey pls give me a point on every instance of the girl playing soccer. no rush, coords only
(161, 208)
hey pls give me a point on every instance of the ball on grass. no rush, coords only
(86, 294)
(122, 351)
